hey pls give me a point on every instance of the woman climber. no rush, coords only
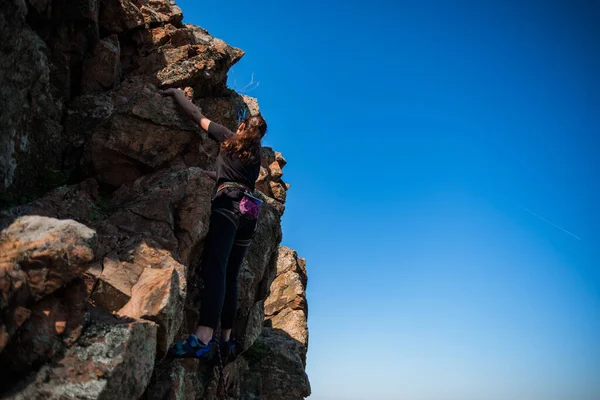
(233, 220)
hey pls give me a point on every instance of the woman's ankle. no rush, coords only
(204, 333)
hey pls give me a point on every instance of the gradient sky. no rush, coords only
(423, 138)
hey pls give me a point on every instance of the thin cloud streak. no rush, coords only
(550, 222)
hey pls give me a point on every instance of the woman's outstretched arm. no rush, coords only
(216, 131)
(188, 107)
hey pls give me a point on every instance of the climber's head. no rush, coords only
(245, 144)
(254, 125)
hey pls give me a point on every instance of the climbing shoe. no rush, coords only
(228, 350)
(192, 347)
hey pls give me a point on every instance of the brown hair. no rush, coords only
(245, 144)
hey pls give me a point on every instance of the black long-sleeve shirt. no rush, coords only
(231, 169)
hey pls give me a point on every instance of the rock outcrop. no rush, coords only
(286, 308)
(104, 207)
(273, 368)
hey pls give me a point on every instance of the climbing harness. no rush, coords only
(234, 185)
(249, 204)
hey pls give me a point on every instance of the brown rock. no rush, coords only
(161, 11)
(169, 208)
(293, 322)
(144, 134)
(113, 359)
(53, 323)
(262, 183)
(205, 68)
(118, 16)
(177, 54)
(272, 369)
(287, 260)
(303, 272)
(287, 291)
(113, 289)
(269, 180)
(158, 296)
(136, 130)
(102, 68)
(164, 44)
(148, 39)
(91, 276)
(286, 308)
(127, 147)
(275, 170)
(268, 156)
(279, 157)
(251, 104)
(39, 255)
(279, 191)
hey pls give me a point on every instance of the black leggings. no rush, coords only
(229, 236)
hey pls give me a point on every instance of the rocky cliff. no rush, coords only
(104, 209)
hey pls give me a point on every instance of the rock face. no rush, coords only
(273, 367)
(30, 115)
(104, 208)
(112, 360)
(286, 308)
(38, 256)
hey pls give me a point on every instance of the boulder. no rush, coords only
(170, 207)
(38, 255)
(113, 359)
(286, 308)
(272, 369)
(158, 296)
(113, 287)
(50, 326)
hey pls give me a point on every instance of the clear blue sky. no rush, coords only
(422, 137)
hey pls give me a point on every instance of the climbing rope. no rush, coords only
(221, 387)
